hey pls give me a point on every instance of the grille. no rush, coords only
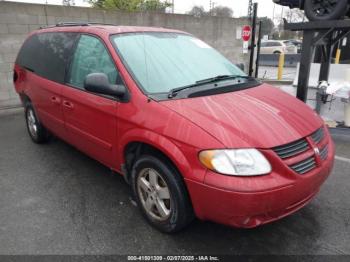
(304, 166)
(291, 149)
(324, 153)
(318, 135)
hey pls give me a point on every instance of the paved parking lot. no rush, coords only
(55, 200)
(270, 72)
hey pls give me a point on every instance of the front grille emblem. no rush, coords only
(317, 151)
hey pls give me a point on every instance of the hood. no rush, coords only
(261, 117)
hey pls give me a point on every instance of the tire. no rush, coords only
(170, 212)
(325, 9)
(276, 52)
(37, 132)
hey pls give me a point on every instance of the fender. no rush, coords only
(162, 143)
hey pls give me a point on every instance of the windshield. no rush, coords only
(160, 61)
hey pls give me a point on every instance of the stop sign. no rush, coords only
(246, 32)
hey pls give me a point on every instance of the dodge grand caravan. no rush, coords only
(190, 132)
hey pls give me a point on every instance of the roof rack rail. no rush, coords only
(96, 23)
(72, 24)
(61, 24)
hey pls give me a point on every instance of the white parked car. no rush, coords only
(277, 47)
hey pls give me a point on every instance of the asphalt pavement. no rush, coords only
(56, 200)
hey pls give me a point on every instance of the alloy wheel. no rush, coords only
(32, 123)
(324, 7)
(154, 194)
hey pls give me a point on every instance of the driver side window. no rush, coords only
(91, 56)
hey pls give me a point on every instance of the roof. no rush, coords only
(103, 28)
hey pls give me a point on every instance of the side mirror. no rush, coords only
(98, 83)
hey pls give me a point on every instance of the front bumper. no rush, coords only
(253, 201)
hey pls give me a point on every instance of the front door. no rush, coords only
(91, 119)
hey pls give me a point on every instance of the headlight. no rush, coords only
(236, 162)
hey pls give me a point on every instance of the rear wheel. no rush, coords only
(161, 194)
(325, 9)
(37, 132)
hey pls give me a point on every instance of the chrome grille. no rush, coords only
(318, 135)
(291, 149)
(294, 149)
(324, 153)
(304, 166)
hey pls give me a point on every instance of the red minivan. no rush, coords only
(191, 133)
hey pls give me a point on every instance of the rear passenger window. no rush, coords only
(47, 54)
(91, 56)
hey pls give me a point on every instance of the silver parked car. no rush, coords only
(277, 47)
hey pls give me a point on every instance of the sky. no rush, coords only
(239, 7)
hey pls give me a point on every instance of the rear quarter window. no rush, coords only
(47, 54)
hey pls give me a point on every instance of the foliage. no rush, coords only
(216, 11)
(68, 2)
(131, 5)
(221, 11)
(197, 11)
(267, 26)
(154, 5)
(292, 16)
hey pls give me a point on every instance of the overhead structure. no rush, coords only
(326, 35)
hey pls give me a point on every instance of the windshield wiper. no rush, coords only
(173, 92)
(220, 77)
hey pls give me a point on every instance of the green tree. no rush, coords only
(221, 11)
(131, 5)
(267, 26)
(197, 11)
(154, 5)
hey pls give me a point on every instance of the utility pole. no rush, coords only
(258, 51)
(252, 39)
(250, 9)
(211, 7)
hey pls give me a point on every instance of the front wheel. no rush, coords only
(161, 194)
(325, 9)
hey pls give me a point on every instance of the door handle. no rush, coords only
(55, 100)
(68, 104)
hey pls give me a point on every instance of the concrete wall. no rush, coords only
(18, 19)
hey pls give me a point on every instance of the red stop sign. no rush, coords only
(246, 32)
